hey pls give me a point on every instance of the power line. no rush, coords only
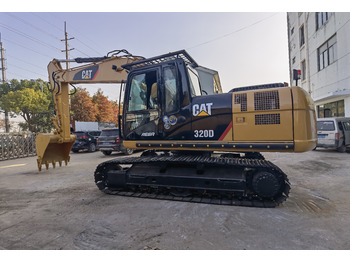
(48, 22)
(15, 74)
(75, 36)
(81, 52)
(87, 47)
(33, 26)
(234, 32)
(27, 48)
(25, 69)
(24, 61)
(27, 36)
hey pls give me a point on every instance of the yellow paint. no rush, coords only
(203, 113)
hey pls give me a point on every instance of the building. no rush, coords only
(319, 46)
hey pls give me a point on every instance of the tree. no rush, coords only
(105, 112)
(3, 124)
(115, 112)
(82, 107)
(31, 100)
(6, 87)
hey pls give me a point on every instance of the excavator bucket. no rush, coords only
(51, 148)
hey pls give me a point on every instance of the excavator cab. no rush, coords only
(158, 96)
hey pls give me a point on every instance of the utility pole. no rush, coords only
(66, 39)
(3, 73)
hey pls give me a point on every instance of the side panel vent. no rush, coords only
(267, 119)
(266, 100)
(242, 100)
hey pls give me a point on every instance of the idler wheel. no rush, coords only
(102, 179)
(266, 184)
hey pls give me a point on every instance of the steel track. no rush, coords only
(206, 197)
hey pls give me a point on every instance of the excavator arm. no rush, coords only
(55, 147)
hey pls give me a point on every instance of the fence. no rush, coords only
(17, 145)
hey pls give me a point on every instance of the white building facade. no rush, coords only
(319, 46)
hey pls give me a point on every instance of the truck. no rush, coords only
(200, 144)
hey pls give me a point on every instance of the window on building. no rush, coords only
(334, 109)
(293, 60)
(321, 18)
(292, 31)
(327, 53)
(303, 70)
(302, 36)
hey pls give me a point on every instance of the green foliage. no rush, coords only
(33, 101)
(30, 99)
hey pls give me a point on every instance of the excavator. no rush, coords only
(199, 144)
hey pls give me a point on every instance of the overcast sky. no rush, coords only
(246, 48)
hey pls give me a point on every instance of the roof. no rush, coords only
(163, 58)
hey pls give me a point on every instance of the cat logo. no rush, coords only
(202, 109)
(87, 74)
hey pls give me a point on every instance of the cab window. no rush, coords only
(194, 82)
(143, 104)
(171, 93)
(143, 92)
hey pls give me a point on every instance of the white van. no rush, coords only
(333, 133)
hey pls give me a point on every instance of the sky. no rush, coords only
(246, 48)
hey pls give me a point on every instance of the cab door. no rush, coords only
(142, 106)
(176, 114)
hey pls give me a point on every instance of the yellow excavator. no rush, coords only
(175, 110)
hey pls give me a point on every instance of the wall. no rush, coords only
(333, 82)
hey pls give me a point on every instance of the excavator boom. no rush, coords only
(55, 147)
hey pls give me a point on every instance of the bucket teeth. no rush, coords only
(53, 162)
(51, 149)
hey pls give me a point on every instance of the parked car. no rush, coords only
(86, 140)
(333, 133)
(109, 141)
